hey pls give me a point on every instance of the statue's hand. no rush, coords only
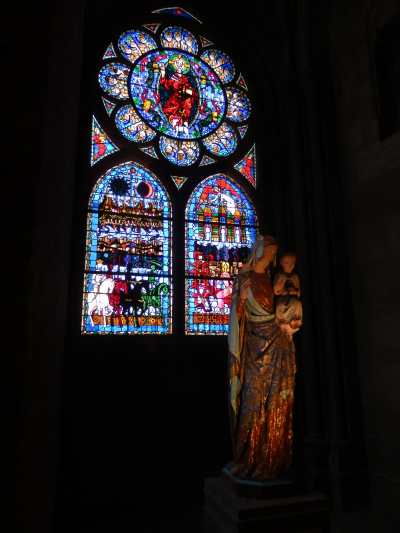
(295, 324)
(288, 330)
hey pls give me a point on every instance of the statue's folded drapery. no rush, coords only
(262, 370)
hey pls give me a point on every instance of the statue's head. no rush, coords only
(288, 262)
(266, 247)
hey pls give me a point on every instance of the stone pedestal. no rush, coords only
(233, 506)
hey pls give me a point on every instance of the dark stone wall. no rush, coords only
(371, 170)
(43, 43)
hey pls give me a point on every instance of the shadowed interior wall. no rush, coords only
(371, 171)
(44, 43)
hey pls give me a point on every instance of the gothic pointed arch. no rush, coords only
(220, 229)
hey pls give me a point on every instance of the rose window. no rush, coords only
(174, 95)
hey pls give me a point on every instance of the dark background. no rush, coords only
(125, 429)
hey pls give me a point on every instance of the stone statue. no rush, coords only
(262, 364)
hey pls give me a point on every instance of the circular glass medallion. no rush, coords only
(131, 126)
(239, 107)
(223, 142)
(135, 43)
(113, 79)
(176, 37)
(177, 94)
(221, 63)
(182, 153)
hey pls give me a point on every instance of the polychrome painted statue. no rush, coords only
(288, 308)
(262, 366)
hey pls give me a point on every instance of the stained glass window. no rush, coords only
(221, 63)
(131, 127)
(238, 105)
(182, 153)
(171, 96)
(179, 181)
(108, 106)
(102, 145)
(127, 285)
(113, 79)
(221, 226)
(206, 160)
(133, 44)
(110, 52)
(247, 166)
(175, 90)
(223, 142)
(166, 93)
(176, 37)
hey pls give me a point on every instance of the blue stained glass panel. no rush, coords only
(135, 43)
(223, 142)
(113, 79)
(221, 63)
(176, 37)
(131, 126)
(182, 153)
(127, 286)
(220, 230)
(239, 107)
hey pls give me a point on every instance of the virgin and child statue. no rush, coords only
(266, 311)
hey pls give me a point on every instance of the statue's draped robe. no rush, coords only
(261, 384)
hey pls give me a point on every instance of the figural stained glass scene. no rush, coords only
(127, 286)
(180, 101)
(221, 226)
(177, 91)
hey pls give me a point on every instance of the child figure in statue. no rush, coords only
(288, 308)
